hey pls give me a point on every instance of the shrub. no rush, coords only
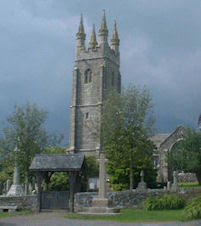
(59, 182)
(120, 187)
(152, 203)
(171, 202)
(193, 209)
(92, 169)
(168, 202)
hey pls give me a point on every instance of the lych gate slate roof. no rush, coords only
(57, 162)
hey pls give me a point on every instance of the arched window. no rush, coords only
(87, 76)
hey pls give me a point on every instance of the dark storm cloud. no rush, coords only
(160, 47)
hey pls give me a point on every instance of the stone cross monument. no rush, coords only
(101, 204)
(16, 188)
(142, 185)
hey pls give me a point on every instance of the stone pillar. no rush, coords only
(39, 195)
(72, 180)
(101, 204)
(102, 177)
(16, 179)
(16, 188)
(142, 175)
(8, 185)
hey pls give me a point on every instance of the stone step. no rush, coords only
(101, 211)
(8, 208)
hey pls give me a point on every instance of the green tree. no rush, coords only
(127, 122)
(188, 157)
(25, 129)
(92, 166)
(59, 180)
(175, 159)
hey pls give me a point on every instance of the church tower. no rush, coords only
(96, 72)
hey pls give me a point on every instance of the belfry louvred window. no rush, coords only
(87, 76)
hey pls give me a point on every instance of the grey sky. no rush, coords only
(160, 47)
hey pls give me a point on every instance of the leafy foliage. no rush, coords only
(176, 159)
(172, 202)
(59, 182)
(54, 150)
(167, 202)
(152, 203)
(92, 169)
(193, 209)
(25, 129)
(127, 122)
(189, 156)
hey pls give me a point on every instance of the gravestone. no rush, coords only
(169, 185)
(142, 185)
(174, 187)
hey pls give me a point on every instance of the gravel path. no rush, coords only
(57, 219)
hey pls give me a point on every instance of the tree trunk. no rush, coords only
(26, 185)
(131, 176)
(198, 175)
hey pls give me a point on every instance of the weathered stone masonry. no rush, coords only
(96, 71)
(129, 199)
(28, 202)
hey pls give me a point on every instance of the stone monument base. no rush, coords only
(101, 206)
(15, 190)
(142, 186)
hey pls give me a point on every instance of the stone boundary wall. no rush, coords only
(187, 177)
(130, 199)
(120, 199)
(190, 193)
(28, 202)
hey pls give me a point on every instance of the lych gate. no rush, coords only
(47, 164)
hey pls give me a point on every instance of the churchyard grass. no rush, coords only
(135, 215)
(12, 214)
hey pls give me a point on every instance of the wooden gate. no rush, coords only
(55, 200)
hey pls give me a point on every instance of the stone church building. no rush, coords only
(96, 71)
